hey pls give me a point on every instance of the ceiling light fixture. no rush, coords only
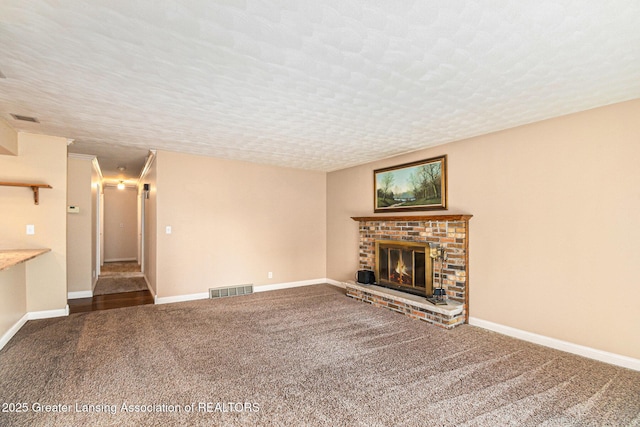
(121, 185)
(122, 168)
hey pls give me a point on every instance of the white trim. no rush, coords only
(79, 294)
(181, 298)
(591, 353)
(287, 285)
(121, 259)
(147, 165)
(96, 166)
(13, 330)
(46, 314)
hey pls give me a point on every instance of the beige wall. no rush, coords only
(554, 241)
(233, 222)
(13, 288)
(120, 224)
(13, 297)
(79, 241)
(8, 139)
(41, 159)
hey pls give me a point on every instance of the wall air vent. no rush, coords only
(230, 291)
(25, 118)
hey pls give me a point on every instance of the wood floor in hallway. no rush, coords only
(116, 300)
(106, 302)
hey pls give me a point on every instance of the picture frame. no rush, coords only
(415, 186)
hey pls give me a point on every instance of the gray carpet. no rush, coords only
(119, 267)
(116, 285)
(300, 357)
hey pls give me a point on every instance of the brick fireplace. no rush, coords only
(448, 232)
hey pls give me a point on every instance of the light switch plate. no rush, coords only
(168, 229)
(31, 229)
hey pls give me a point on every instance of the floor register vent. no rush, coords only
(231, 291)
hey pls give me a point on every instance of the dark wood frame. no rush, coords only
(443, 186)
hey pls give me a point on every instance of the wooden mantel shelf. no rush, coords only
(35, 187)
(414, 218)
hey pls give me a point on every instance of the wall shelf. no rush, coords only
(35, 187)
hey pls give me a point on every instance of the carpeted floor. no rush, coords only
(117, 284)
(298, 357)
(119, 267)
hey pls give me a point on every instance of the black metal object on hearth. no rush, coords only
(439, 255)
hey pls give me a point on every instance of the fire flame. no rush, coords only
(401, 275)
(401, 268)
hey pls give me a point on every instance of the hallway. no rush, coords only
(112, 289)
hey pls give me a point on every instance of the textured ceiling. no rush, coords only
(316, 84)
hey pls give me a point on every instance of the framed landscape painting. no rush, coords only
(416, 186)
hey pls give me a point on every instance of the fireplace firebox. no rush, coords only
(405, 266)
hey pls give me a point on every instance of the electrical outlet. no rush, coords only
(270, 275)
(31, 229)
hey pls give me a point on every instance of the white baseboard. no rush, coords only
(32, 315)
(46, 314)
(591, 353)
(181, 298)
(13, 330)
(287, 285)
(79, 294)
